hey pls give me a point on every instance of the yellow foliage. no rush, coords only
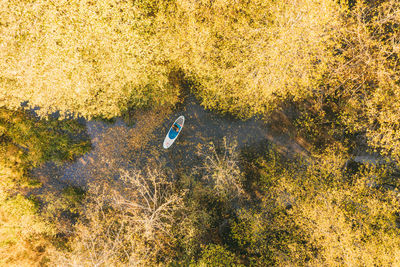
(249, 56)
(92, 58)
(349, 218)
(99, 58)
(365, 76)
(21, 232)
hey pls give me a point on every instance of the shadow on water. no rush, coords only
(121, 146)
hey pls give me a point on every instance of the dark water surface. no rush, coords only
(117, 147)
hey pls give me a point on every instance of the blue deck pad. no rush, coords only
(172, 133)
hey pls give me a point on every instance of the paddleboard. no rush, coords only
(173, 132)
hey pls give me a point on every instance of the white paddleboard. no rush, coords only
(173, 132)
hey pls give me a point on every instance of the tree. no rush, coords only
(364, 79)
(323, 211)
(26, 142)
(221, 170)
(23, 232)
(249, 56)
(83, 57)
(216, 255)
(245, 57)
(133, 223)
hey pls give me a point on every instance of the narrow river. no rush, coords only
(118, 147)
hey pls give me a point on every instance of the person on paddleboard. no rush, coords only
(173, 132)
(176, 128)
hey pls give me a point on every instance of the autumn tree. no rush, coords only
(365, 79)
(221, 170)
(323, 211)
(216, 255)
(244, 57)
(249, 56)
(26, 142)
(133, 223)
(83, 57)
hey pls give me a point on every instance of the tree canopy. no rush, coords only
(327, 69)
